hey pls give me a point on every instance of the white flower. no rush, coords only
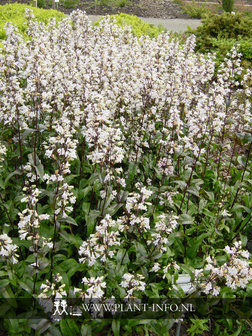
(155, 268)
(95, 287)
(216, 291)
(132, 283)
(225, 213)
(244, 254)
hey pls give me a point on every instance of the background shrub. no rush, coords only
(15, 13)
(228, 5)
(219, 33)
(195, 10)
(41, 3)
(70, 3)
(225, 25)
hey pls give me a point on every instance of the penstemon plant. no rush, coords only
(125, 165)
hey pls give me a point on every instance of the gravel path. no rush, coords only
(177, 25)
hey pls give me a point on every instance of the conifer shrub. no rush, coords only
(219, 33)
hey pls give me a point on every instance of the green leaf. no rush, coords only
(122, 257)
(16, 172)
(85, 207)
(210, 195)
(240, 206)
(4, 308)
(68, 220)
(3, 273)
(75, 240)
(68, 264)
(202, 204)
(27, 132)
(91, 220)
(140, 250)
(241, 160)
(112, 210)
(193, 191)
(86, 330)
(38, 166)
(54, 331)
(25, 287)
(8, 294)
(73, 326)
(4, 283)
(185, 219)
(42, 326)
(188, 270)
(116, 327)
(14, 326)
(132, 170)
(156, 287)
(85, 191)
(181, 184)
(66, 331)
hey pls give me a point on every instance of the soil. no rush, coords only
(165, 9)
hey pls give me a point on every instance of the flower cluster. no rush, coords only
(235, 273)
(137, 201)
(62, 149)
(8, 249)
(29, 218)
(95, 288)
(3, 152)
(132, 283)
(102, 244)
(165, 225)
(53, 288)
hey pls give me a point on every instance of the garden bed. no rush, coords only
(144, 8)
(125, 180)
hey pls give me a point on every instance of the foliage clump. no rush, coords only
(228, 5)
(196, 11)
(70, 3)
(220, 33)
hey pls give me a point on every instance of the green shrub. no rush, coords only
(196, 11)
(70, 3)
(228, 5)
(226, 25)
(138, 26)
(122, 3)
(246, 49)
(223, 46)
(41, 3)
(15, 13)
(219, 33)
(248, 14)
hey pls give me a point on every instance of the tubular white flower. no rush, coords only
(8, 249)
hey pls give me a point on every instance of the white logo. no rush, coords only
(60, 307)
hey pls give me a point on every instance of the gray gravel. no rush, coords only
(177, 25)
